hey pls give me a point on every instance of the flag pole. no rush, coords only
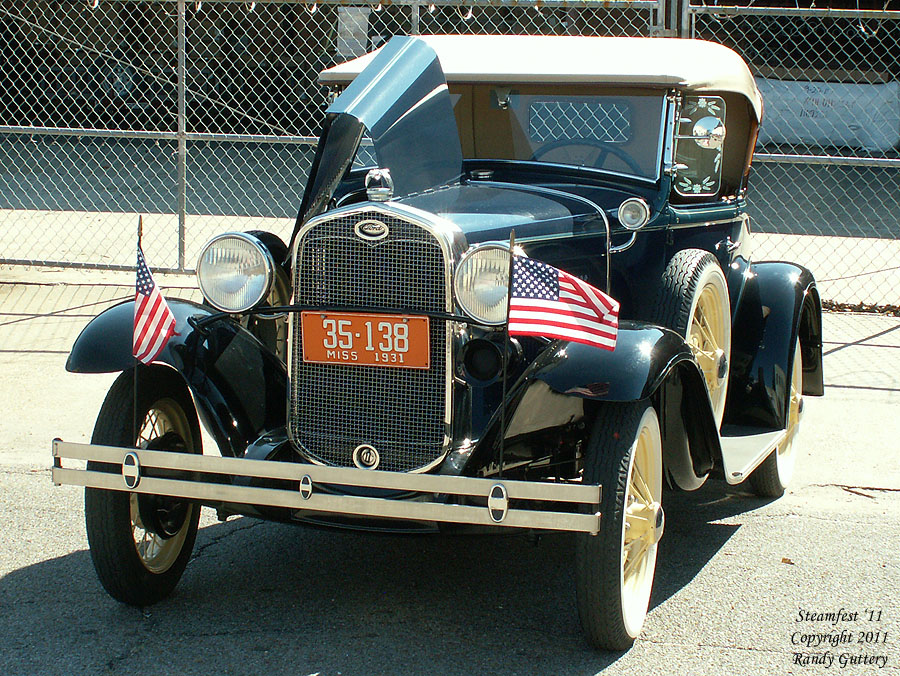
(509, 286)
(134, 413)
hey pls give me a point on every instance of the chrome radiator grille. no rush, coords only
(334, 407)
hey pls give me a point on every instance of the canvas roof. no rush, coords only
(691, 65)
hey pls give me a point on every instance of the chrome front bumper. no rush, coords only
(436, 493)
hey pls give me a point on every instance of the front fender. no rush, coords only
(780, 304)
(238, 385)
(644, 355)
(568, 381)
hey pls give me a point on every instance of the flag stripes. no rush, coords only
(154, 322)
(548, 302)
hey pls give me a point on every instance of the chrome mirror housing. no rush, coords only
(709, 132)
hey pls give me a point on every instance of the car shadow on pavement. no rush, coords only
(693, 534)
(259, 596)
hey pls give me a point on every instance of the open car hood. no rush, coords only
(400, 100)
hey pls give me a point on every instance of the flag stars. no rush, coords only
(533, 279)
(551, 303)
(144, 280)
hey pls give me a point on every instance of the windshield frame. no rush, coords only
(477, 120)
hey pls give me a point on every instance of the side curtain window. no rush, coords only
(698, 149)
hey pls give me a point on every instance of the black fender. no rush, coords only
(238, 385)
(568, 381)
(779, 303)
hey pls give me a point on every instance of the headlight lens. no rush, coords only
(634, 213)
(235, 271)
(481, 283)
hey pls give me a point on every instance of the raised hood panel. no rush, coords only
(400, 100)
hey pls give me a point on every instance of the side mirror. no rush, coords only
(709, 133)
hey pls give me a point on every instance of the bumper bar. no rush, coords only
(437, 493)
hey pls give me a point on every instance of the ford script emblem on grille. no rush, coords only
(366, 457)
(371, 230)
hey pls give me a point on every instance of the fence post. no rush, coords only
(687, 20)
(182, 133)
(414, 18)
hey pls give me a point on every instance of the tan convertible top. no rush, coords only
(691, 65)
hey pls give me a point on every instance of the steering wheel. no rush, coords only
(606, 149)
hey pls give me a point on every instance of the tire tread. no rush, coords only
(111, 542)
(597, 562)
(678, 287)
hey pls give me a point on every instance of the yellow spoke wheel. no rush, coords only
(140, 544)
(615, 568)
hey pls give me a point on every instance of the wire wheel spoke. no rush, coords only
(632, 557)
(705, 330)
(707, 360)
(157, 552)
(640, 487)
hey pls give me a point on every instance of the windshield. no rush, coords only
(617, 130)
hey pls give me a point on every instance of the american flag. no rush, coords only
(154, 322)
(552, 303)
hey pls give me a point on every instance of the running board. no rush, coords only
(744, 448)
(200, 478)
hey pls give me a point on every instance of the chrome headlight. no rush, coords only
(235, 271)
(634, 213)
(481, 283)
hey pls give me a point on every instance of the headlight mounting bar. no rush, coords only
(200, 323)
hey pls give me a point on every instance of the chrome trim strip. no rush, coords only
(577, 167)
(743, 216)
(452, 242)
(625, 246)
(673, 108)
(663, 136)
(428, 484)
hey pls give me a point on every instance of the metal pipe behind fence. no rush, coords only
(687, 20)
(515, 4)
(76, 265)
(884, 162)
(144, 135)
(732, 11)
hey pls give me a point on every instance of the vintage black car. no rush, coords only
(361, 376)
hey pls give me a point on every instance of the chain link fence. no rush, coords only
(200, 116)
(825, 187)
(203, 118)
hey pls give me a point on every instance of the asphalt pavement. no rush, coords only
(742, 583)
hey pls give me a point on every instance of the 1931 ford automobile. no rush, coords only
(361, 376)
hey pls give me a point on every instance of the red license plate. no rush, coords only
(399, 341)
